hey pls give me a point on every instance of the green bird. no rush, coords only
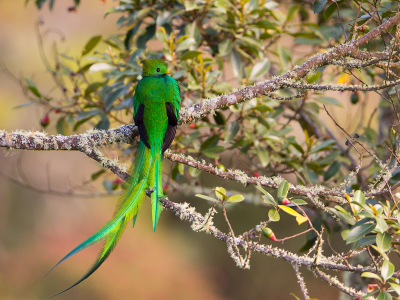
(156, 111)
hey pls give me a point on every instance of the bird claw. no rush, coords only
(149, 192)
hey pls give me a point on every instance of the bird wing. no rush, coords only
(171, 127)
(140, 124)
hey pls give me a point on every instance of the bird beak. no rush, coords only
(168, 72)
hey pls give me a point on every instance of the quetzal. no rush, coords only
(156, 108)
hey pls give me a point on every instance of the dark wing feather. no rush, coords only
(171, 128)
(139, 123)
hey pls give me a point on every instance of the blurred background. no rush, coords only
(38, 229)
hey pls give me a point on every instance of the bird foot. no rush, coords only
(149, 192)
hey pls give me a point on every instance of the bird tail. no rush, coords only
(154, 181)
(126, 209)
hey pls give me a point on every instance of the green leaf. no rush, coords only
(263, 155)
(325, 145)
(267, 196)
(329, 158)
(235, 199)
(87, 113)
(192, 29)
(283, 189)
(236, 64)
(181, 169)
(186, 44)
(262, 108)
(358, 232)
(384, 296)
(339, 208)
(283, 58)
(384, 255)
(211, 154)
(365, 241)
(299, 201)
(371, 275)
(273, 215)
(259, 69)
(190, 55)
(330, 11)
(269, 200)
(332, 170)
(114, 95)
(219, 118)
(24, 105)
(32, 87)
(265, 24)
(191, 137)
(80, 122)
(345, 234)
(359, 197)
(224, 48)
(104, 123)
(62, 126)
(318, 5)
(381, 224)
(39, 3)
(210, 142)
(387, 270)
(342, 216)
(383, 241)
(194, 172)
(328, 100)
(395, 287)
(146, 36)
(220, 192)
(91, 44)
(206, 197)
(97, 174)
(313, 77)
(233, 129)
(292, 12)
(92, 87)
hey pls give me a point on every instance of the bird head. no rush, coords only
(155, 67)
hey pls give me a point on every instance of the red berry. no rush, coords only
(117, 181)
(285, 201)
(165, 188)
(57, 111)
(256, 174)
(273, 237)
(193, 126)
(267, 232)
(45, 121)
(370, 288)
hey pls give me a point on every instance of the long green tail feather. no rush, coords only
(103, 255)
(134, 221)
(155, 182)
(127, 209)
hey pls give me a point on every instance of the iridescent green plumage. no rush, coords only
(156, 107)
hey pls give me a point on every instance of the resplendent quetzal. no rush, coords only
(156, 108)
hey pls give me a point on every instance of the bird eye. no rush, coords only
(158, 69)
